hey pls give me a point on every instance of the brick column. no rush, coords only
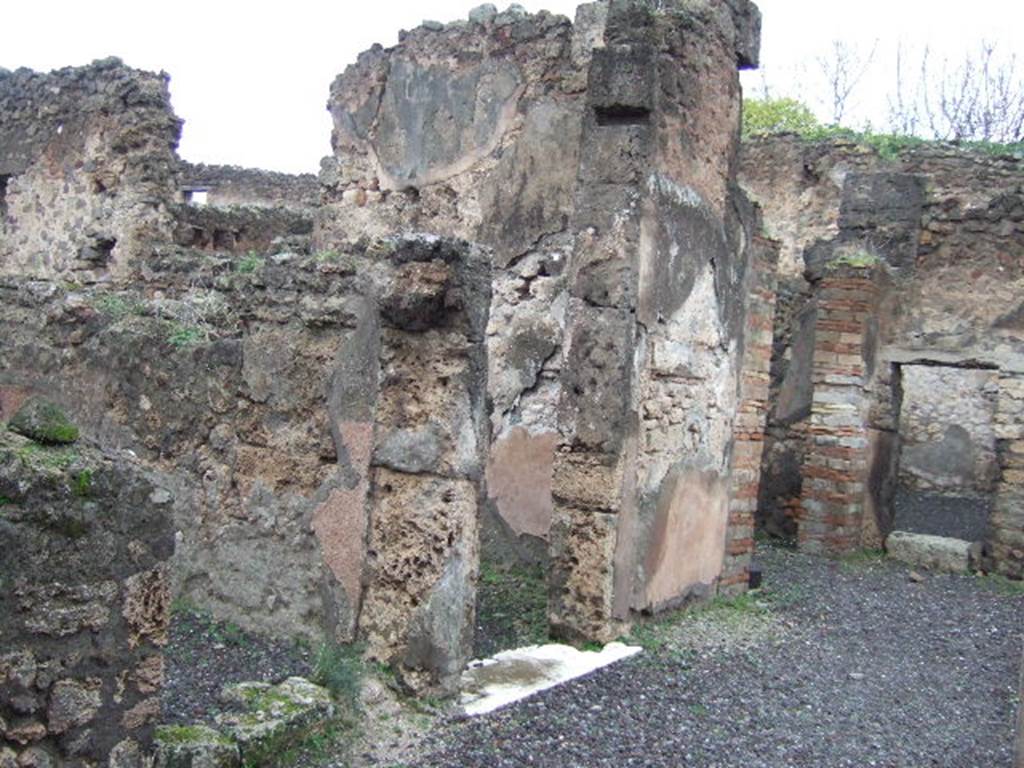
(836, 466)
(1005, 545)
(748, 432)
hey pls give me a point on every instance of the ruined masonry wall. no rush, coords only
(622, 213)
(322, 413)
(85, 542)
(1005, 546)
(947, 431)
(948, 225)
(230, 185)
(87, 169)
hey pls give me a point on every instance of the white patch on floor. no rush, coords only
(513, 675)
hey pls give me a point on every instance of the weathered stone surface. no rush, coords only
(423, 539)
(195, 746)
(37, 757)
(79, 525)
(147, 606)
(936, 552)
(73, 703)
(88, 156)
(582, 584)
(43, 422)
(272, 716)
(128, 754)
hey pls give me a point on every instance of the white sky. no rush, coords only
(251, 79)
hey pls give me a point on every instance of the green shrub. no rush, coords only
(249, 263)
(767, 116)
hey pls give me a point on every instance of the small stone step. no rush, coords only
(938, 553)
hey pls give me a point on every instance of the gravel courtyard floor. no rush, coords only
(834, 663)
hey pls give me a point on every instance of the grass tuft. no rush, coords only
(339, 668)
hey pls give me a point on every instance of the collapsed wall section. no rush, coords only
(87, 169)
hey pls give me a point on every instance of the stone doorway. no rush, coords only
(947, 468)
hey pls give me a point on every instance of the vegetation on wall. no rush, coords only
(765, 117)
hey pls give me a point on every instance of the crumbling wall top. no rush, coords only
(37, 107)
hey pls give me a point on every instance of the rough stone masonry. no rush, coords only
(529, 314)
(596, 160)
(899, 346)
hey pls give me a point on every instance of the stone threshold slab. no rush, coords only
(511, 676)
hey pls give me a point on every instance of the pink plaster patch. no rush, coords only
(11, 399)
(340, 522)
(519, 480)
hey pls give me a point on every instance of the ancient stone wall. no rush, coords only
(230, 185)
(1005, 545)
(87, 169)
(946, 227)
(534, 301)
(85, 540)
(243, 230)
(267, 391)
(597, 163)
(947, 431)
(473, 129)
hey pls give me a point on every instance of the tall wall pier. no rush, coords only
(598, 167)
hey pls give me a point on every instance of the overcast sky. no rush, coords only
(251, 79)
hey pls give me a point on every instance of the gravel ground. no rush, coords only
(834, 663)
(961, 517)
(202, 656)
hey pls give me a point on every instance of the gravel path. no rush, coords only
(961, 517)
(203, 655)
(835, 663)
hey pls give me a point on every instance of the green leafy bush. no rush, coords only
(766, 116)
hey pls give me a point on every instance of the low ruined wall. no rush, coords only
(943, 231)
(229, 185)
(284, 395)
(242, 230)
(85, 540)
(87, 169)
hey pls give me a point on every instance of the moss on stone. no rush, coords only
(191, 734)
(45, 458)
(858, 259)
(43, 422)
